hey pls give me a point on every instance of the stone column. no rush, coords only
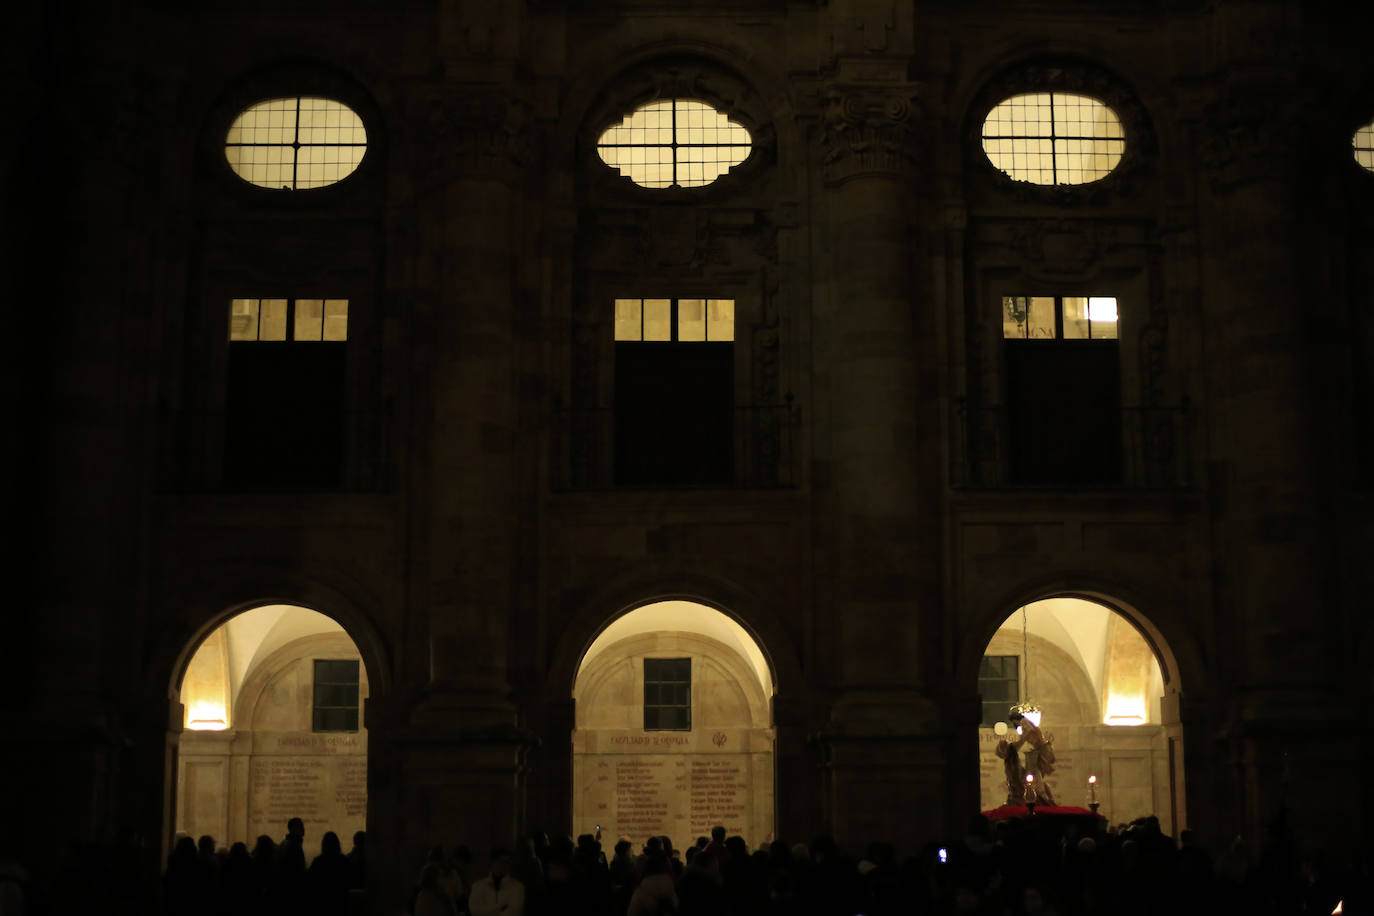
(1270, 477)
(868, 466)
(449, 763)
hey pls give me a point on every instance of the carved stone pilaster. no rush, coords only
(474, 131)
(869, 131)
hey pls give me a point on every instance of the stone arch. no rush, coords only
(1147, 778)
(620, 597)
(1176, 651)
(281, 748)
(644, 777)
(594, 84)
(221, 598)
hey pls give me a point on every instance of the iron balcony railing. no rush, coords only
(594, 448)
(1138, 448)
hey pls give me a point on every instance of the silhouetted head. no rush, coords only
(296, 828)
(264, 847)
(500, 862)
(184, 849)
(238, 852)
(360, 839)
(330, 845)
(623, 847)
(718, 833)
(206, 845)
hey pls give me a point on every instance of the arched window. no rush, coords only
(674, 143)
(1363, 142)
(1053, 138)
(295, 143)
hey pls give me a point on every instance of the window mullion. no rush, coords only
(296, 144)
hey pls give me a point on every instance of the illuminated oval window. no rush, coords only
(1363, 141)
(674, 143)
(1053, 138)
(295, 143)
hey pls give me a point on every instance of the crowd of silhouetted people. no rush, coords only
(1025, 865)
(1003, 868)
(272, 878)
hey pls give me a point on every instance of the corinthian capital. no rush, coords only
(869, 131)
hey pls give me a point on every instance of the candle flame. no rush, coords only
(1092, 780)
(1030, 777)
(1340, 908)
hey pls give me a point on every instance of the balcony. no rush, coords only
(1134, 448)
(751, 447)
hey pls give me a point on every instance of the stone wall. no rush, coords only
(678, 784)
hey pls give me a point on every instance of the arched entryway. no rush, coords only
(673, 730)
(1108, 698)
(273, 729)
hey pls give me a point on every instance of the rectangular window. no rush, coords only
(1000, 686)
(674, 392)
(686, 320)
(1059, 318)
(335, 703)
(288, 319)
(668, 694)
(286, 393)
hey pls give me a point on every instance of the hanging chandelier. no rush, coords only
(1026, 707)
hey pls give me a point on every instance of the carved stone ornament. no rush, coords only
(868, 132)
(1078, 78)
(474, 131)
(1060, 247)
(1252, 134)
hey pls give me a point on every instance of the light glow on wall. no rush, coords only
(1125, 709)
(207, 716)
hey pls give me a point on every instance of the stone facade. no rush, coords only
(472, 541)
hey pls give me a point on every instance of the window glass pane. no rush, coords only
(1015, 318)
(658, 319)
(309, 319)
(1075, 318)
(1053, 138)
(684, 142)
(336, 319)
(1040, 318)
(270, 146)
(243, 319)
(627, 317)
(1102, 314)
(720, 319)
(272, 320)
(691, 319)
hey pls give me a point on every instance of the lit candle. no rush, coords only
(1092, 788)
(1030, 787)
